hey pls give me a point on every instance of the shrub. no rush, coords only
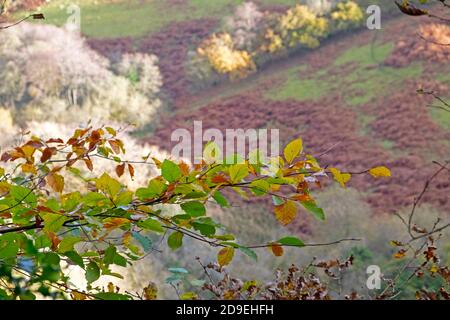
(347, 15)
(244, 25)
(221, 53)
(54, 76)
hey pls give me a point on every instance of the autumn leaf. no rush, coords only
(276, 249)
(400, 254)
(184, 168)
(380, 172)
(120, 169)
(47, 154)
(219, 178)
(286, 212)
(29, 168)
(113, 223)
(150, 292)
(131, 170)
(56, 182)
(340, 177)
(225, 256)
(292, 150)
(88, 164)
(409, 9)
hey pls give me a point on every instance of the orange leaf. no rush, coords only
(400, 254)
(302, 198)
(184, 168)
(56, 182)
(286, 212)
(54, 239)
(120, 169)
(225, 256)
(29, 168)
(277, 250)
(220, 178)
(131, 170)
(114, 223)
(88, 164)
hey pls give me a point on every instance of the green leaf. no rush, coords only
(248, 252)
(291, 241)
(9, 246)
(260, 187)
(108, 185)
(178, 270)
(92, 272)
(170, 171)
(292, 150)
(151, 224)
(75, 258)
(238, 172)
(277, 201)
(145, 242)
(175, 240)
(111, 296)
(220, 199)
(205, 229)
(53, 222)
(110, 253)
(194, 208)
(120, 260)
(68, 243)
(93, 199)
(155, 188)
(314, 209)
(22, 194)
(124, 198)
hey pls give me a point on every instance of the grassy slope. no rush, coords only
(135, 18)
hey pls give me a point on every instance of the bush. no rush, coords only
(54, 76)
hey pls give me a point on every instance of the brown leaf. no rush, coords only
(120, 169)
(56, 182)
(47, 154)
(115, 146)
(131, 170)
(410, 10)
(276, 249)
(88, 164)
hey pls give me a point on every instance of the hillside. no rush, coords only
(343, 92)
(352, 90)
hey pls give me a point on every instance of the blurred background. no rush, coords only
(160, 65)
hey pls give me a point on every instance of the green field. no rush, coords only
(137, 18)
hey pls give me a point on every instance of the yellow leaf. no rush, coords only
(113, 223)
(286, 212)
(29, 168)
(76, 295)
(400, 254)
(189, 296)
(380, 172)
(225, 256)
(434, 269)
(150, 292)
(293, 150)
(340, 177)
(56, 182)
(2, 172)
